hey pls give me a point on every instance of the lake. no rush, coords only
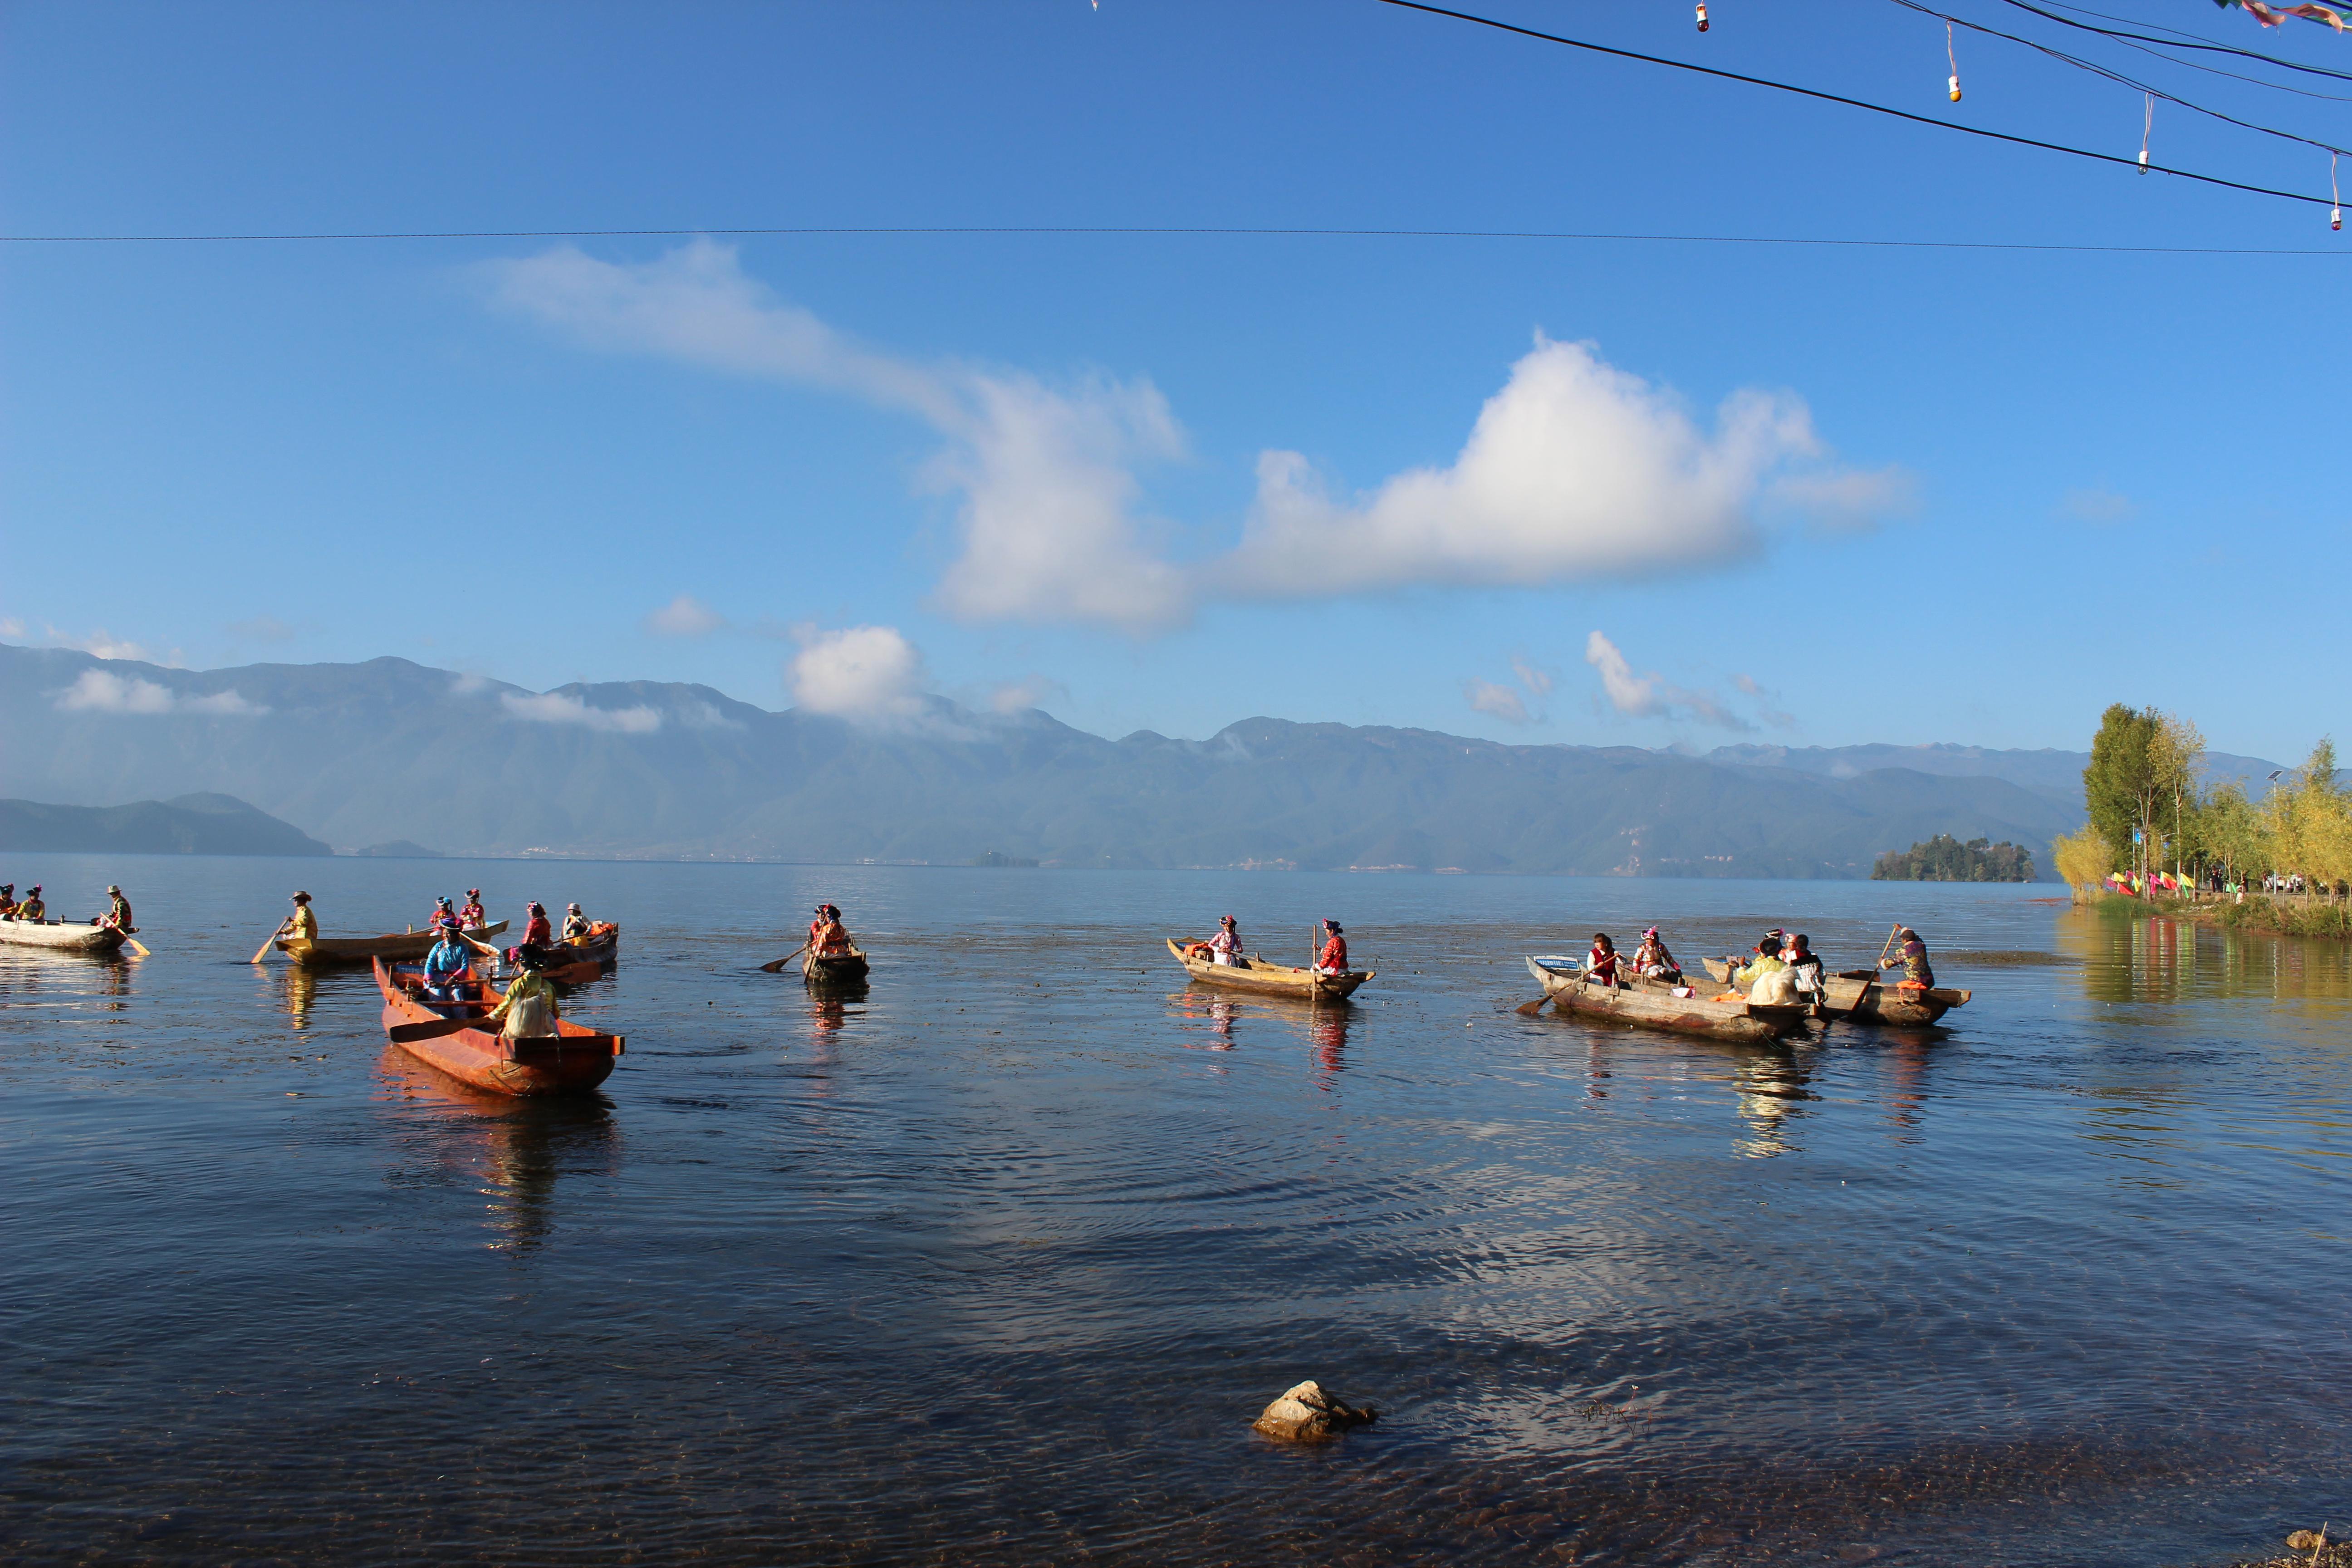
(997, 1265)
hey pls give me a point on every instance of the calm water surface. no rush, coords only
(997, 1265)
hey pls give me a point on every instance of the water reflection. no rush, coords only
(301, 990)
(2127, 956)
(514, 1148)
(1770, 1084)
(828, 1010)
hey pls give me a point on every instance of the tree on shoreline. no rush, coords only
(1945, 858)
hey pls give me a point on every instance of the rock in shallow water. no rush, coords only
(1305, 1414)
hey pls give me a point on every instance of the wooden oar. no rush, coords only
(135, 945)
(778, 965)
(263, 950)
(404, 1034)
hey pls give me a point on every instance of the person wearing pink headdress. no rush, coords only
(1652, 960)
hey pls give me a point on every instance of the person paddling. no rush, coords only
(8, 901)
(528, 1010)
(118, 911)
(1918, 975)
(446, 966)
(826, 933)
(1601, 963)
(302, 926)
(575, 924)
(536, 932)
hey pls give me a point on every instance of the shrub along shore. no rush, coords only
(2283, 914)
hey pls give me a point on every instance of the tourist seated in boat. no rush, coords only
(536, 932)
(444, 913)
(1918, 975)
(118, 911)
(1805, 967)
(575, 924)
(34, 909)
(302, 925)
(528, 1010)
(471, 916)
(827, 935)
(1601, 963)
(446, 966)
(8, 901)
(1652, 960)
(1225, 947)
(1334, 957)
(1759, 970)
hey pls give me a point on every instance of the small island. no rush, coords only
(990, 858)
(1945, 858)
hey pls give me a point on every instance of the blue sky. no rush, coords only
(1961, 495)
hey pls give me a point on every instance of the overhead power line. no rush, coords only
(813, 231)
(1840, 97)
(2118, 77)
(2179, 41)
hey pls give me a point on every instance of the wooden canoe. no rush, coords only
(577, 962)
(398, 947)
(1860, 995)
(835, 968)
(59, 937)
(574, 1060)
(1255, 973)
(1656, 1007)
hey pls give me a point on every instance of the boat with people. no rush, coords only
(1860, 995)
(398, 947)
(1253, 972)
(1656, 1005)
(582, 959)
(59, 936)
(843, 966)
(461, 1038)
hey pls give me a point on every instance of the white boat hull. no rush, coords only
(59, 937)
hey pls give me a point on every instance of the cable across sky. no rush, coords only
(1840, 97)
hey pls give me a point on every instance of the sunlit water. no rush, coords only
(997, 1265)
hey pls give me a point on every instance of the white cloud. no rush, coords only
(1501, 701)
(1539, 681)
(102, 692)
(867, 673)
(468, 683)
(1031, 691)
(683, 616)
(1750, 687)
(1044, 473)
(1574, 469)
(1649, 695)
(10, 626)
(559, 707)
(1849, 500)
(104, 644)
(2095, 505)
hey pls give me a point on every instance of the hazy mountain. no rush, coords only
(2058, 774)
(388, 750)
(191, 825)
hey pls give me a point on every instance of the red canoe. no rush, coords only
(572, 1061)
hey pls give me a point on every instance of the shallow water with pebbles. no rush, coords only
(997, 1263)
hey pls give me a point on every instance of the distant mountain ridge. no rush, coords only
(190, 825)
(388, 750)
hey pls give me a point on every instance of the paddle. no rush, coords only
(778, 965)
(135, 945)
(263, 950)
(406, 1034)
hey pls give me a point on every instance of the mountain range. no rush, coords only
(191, 825)
(388, 750)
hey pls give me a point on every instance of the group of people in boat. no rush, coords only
(1225, 949)
(1782, 967)
(34, 909)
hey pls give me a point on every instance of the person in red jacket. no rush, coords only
(1335, 951)
(538, 932)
